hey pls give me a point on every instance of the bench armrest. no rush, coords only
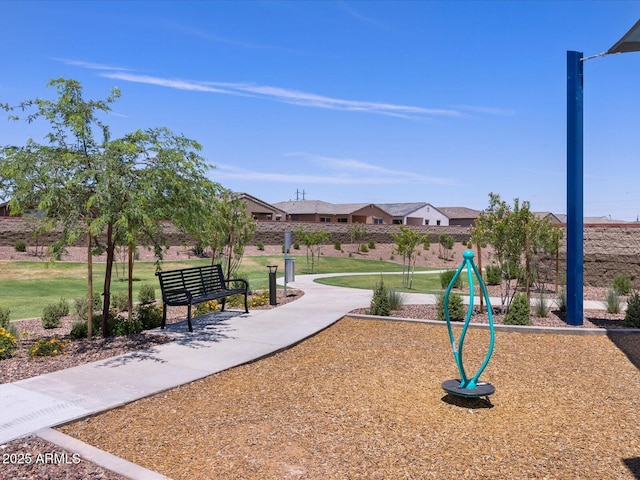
(246, 284)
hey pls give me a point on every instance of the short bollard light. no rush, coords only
(466, 386)
(272, 284)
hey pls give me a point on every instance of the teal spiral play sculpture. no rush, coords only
(467, 386)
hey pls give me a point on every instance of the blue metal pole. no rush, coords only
(575, 187)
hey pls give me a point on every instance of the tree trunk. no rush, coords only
(130, 283)
(90, 286)
(111, 246)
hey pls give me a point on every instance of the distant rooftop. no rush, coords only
(401, 209)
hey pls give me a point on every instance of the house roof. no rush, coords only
(305, 207)
(562, 217)
(262, 203)
(552, 217)
(459, 212)
(401, 209)
(347, 208)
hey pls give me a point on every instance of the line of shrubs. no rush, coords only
(520, 310)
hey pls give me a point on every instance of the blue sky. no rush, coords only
(352, 101)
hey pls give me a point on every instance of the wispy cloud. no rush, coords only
(284, 95)
(334, 171)
(90, 65)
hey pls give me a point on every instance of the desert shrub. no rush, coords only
(562, 300)
(612, 301)
(632, 315)
(52, 313)
(540, 306)
(492, 275)
(124, 326)
(337, 246)
(206, 307)
(8, 344)
(120, 301)
(260, 246)
(447, 276)
(63, 307)
(296, 246)
(622, 284)
(80, 305)
(259, 298)
(396, 299)
(147, 294)
(364, 248)
(150, 316)
(426, 245)
(78, 329)
(456, 308)
(380, 301)
(4, 316)
(20, 246)
(372, 245)
(519, 311)
(48, 347)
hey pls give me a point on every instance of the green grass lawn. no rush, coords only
(422, 283)
(27, 287)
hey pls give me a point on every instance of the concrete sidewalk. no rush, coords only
(219, 341)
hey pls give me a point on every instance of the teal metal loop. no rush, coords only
(468, 386)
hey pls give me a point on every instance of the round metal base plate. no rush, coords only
(482, 389)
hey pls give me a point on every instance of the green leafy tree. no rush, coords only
(445, 243)
(313, 240)
(120, 188)
(522, 244)
(406, 242)
(357, 233)
(58, 178)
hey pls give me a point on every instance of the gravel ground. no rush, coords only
(362, 399)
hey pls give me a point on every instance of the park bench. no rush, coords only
(190, 286)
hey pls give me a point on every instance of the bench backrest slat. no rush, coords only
(197, 280)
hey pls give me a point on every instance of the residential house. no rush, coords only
(552, 218)
(324, 212)
(420, 213)
(460, 216)
(591, 220)
(4, 209)
(261, 210)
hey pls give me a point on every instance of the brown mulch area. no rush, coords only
(362, 399)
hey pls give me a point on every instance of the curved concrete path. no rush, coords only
(219, 341)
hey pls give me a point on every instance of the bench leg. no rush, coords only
(246, 305)
(224, 301)
(164, 316)
(189, 318)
